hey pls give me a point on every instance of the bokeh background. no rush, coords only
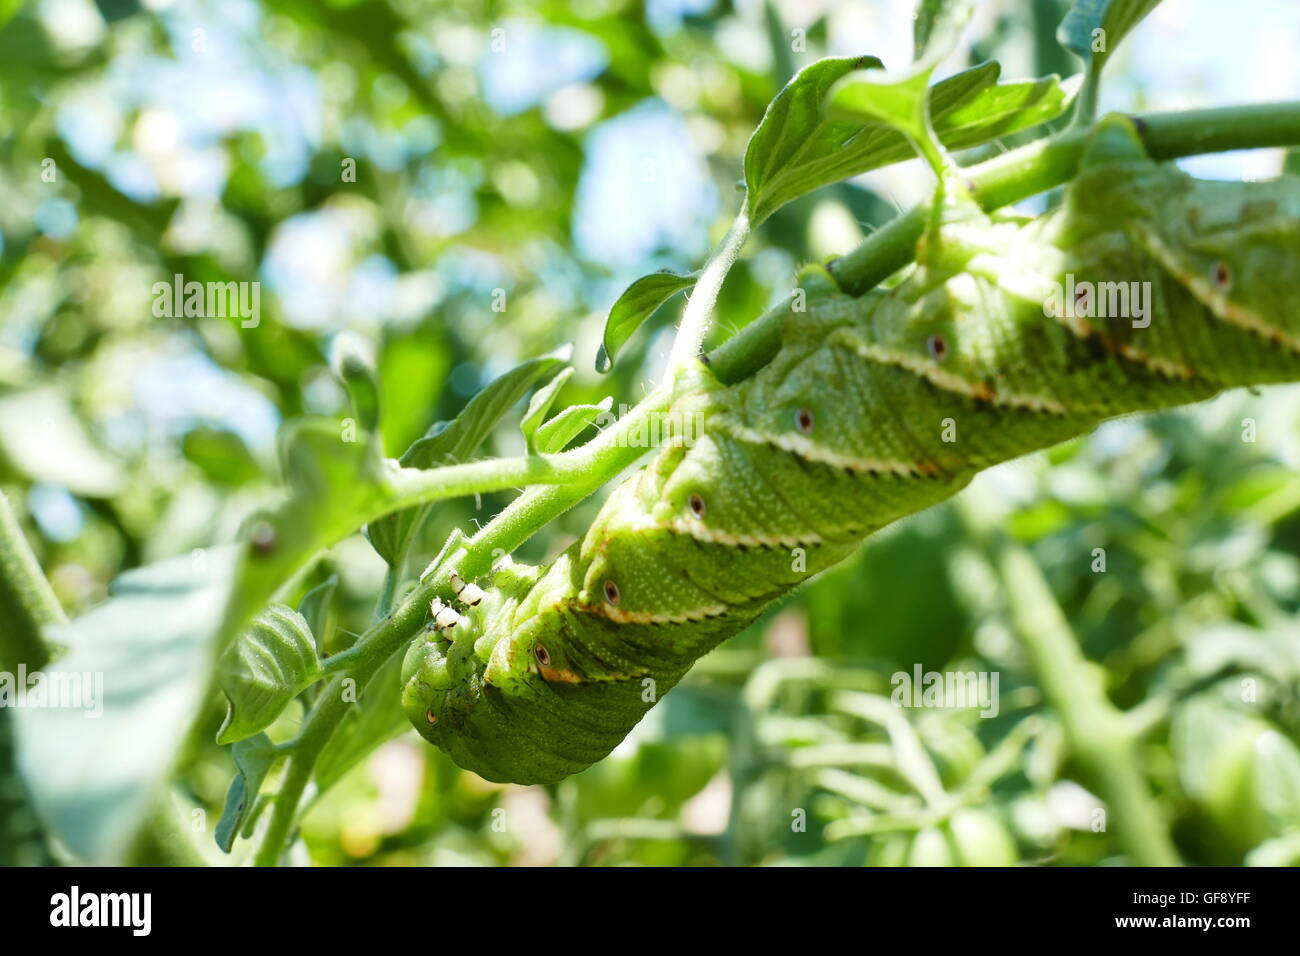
(556, 151)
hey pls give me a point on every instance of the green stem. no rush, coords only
(1098, 736)
(1017, 175)
(385, 603)
(1085, 107)
(699, 308)
(27, 602)
(417, 486)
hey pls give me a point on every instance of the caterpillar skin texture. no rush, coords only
(843, 432)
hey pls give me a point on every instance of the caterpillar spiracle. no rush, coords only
(874, 408)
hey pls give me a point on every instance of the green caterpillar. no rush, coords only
(875, 408)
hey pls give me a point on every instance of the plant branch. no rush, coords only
(27, 602)
(1085, 105)
(1098, 737)
(416, 486)
(699, 307)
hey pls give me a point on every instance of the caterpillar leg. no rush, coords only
(444, 618)
(468, 594)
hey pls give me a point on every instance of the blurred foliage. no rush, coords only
(214, 141)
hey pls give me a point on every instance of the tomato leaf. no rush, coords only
(317, 609)
(357, 373)
(795, 151)
(874, 95)
(94, 772)
(1115, 19)
(1092, 31)
(566, 425)
(966, 109)
(336, 480)
(936, 27)
(253, 758)
(638, 302)
(540, 404)
(222, 455)
(794, 143)
(265, 668)
(374, 718)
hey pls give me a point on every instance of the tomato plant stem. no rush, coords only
(1098, 737)
(699, 308)
(27, 602)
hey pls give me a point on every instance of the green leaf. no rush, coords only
(1209, 741)
(412, 375)
(449, 443)
(1239, 767)
(1114, 18)
(222, 455)
(269, 665)
(567, 425)
(336, 481)
(966, 109)
(937, 25)
(467, 431)
(93, 779)
(253, 758)
(357, 373)
(1276, 780)
(540, 404)
(795, 143)
(899, 102)
(903, 102)
(375, 718)
(638, 302)
(923, 22)
(317, 609)
(999, 110)
(8, 8)
(1093, 30)
(794, 139)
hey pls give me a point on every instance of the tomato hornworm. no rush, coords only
(1144, 289)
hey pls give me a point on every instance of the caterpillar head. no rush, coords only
(508, 693)
(444, 673)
